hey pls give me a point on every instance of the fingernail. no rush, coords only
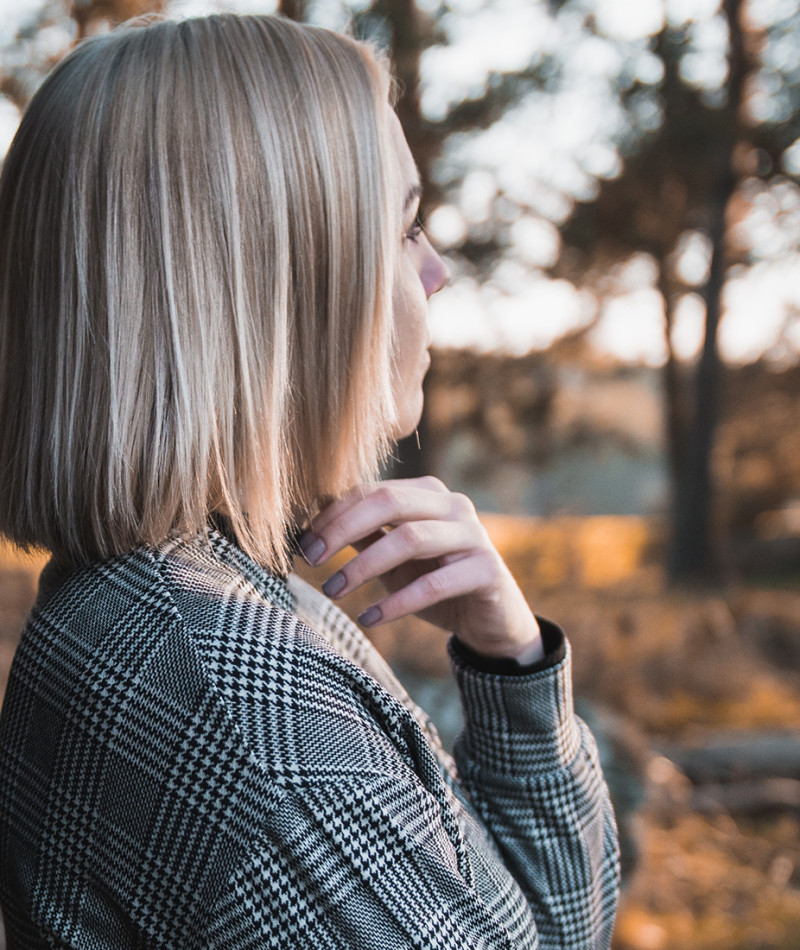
(312, 547)
(370, 616)
(334, 584)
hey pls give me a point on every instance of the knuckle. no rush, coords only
(491, 566)
(432, 586)
(463, 503)
(385, 499)
(433, 483)
(411, 534)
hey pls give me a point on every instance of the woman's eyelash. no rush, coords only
(416, 228)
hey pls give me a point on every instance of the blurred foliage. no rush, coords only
(690, 157)
(700, 135)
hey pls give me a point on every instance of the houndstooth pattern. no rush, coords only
(198, 755)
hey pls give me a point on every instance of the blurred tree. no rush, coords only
(681, 178)
(685, 177)
(51, 31)
(92, 16)
(688, 174)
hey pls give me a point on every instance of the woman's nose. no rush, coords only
(435, 273)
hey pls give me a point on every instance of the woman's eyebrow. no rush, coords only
(414, 192)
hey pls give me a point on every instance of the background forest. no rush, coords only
(615, 381)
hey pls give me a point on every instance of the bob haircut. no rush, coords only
(199, 227)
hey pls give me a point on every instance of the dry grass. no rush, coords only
(713, 885)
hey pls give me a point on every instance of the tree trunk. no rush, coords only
(675, 422)
(693, 554)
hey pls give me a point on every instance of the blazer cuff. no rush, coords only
(518, 724)
(553, 640)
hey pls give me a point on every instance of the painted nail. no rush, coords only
(334, 584)
(312, 547)
(370, 616)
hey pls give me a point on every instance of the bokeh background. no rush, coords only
(616, 383)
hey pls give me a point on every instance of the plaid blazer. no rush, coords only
(197, 754)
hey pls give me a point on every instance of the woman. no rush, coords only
(213, 304)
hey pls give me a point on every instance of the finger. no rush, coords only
(388, 504)
(358, 493)
(413, 541)
(453, 580)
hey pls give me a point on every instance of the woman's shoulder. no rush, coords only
(121, 607)
(195, 628)
(112, 726)
(289, 667)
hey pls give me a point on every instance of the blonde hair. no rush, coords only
(199, 229)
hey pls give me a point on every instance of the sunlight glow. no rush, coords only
(758, 305)
(446, 226)
(685, 11)
(689, 326)
(478, 191)
(486, 318)
(693, 257)
(633, 20)
(13, 14)
(537, 241)
(705, 65)
(631, 327)
(480, 44)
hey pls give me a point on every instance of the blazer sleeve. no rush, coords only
(531, 769)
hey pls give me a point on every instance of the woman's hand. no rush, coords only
(434, 557)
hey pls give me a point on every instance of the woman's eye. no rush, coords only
(415, 230)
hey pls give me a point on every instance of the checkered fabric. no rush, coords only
(197, 754)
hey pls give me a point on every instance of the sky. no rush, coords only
(548, 153)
